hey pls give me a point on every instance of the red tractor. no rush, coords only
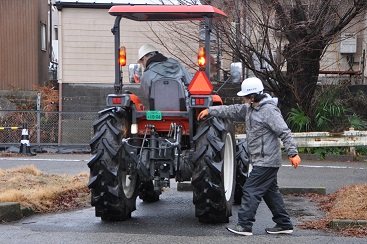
(137, 151)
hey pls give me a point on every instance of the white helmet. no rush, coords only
(251, 85)
(145, 49)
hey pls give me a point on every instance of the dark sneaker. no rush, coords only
(279, 230)
(239, 230)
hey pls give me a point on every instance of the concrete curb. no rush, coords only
(347, 223)
(26, 211)
(12, 211)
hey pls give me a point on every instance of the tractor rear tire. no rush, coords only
(114, 187)
(213, 179)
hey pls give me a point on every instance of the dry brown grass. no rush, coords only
(348, 203)
(43, 192)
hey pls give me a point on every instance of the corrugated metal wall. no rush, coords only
(44, 58)
(21, 60)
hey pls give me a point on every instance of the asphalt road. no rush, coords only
(50, 163)
(332, 175)
(172, 219)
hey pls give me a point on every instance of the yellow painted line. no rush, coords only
(10, 128)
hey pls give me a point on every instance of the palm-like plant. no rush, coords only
(357, 122)
(330, 115)
(298, 120)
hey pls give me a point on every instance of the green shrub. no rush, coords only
(330, 114)
(298, 120)
(361, 150)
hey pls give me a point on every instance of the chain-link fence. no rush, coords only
(47, 128)
(53, 128)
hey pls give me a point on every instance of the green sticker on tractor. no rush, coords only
(154, 115)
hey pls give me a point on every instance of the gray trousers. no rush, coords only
(262, 183)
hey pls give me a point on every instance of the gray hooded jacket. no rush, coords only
(162, 67)
(264, 126)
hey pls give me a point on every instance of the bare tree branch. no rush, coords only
(283, 41)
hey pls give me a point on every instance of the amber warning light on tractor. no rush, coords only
(122, 56)
(201, 57)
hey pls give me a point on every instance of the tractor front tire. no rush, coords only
(114, 186)
(213, 179)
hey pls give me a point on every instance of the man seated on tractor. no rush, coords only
(157, 66)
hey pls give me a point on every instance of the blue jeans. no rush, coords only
(262, 184)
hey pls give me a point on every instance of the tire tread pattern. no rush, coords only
(209, 198)
(108, 197)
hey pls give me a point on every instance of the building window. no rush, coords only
(43, 37)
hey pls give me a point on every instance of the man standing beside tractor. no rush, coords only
(264, 125)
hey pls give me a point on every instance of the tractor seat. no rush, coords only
(167, 94)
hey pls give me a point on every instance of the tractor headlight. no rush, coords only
(134, 129)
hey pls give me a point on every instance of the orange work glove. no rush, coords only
(295, 161)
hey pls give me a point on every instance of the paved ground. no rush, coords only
(50, 163)
(311, 173)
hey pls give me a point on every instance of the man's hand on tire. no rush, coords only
(202, 114)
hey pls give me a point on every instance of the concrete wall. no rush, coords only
(90, 97)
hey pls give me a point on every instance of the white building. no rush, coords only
(86, 50)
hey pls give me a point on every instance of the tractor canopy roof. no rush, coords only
(166, 12)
